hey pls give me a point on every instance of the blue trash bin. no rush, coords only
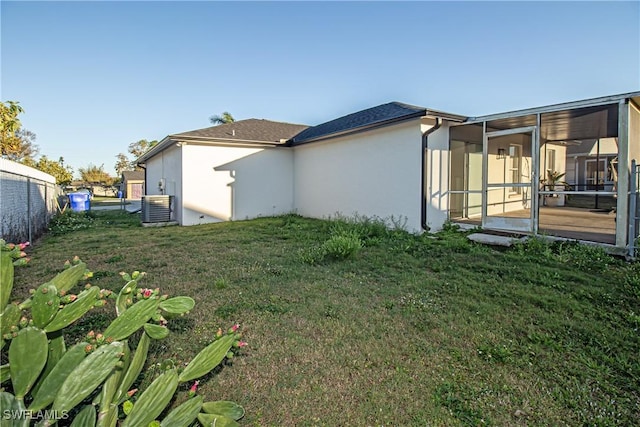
(79, 202)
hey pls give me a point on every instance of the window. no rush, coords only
(515, 164)
(595, 173)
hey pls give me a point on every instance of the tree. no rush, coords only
(96, 175)
(16, 143)
(123, 164)
(136, 149)
(224, 118)
(63, 174)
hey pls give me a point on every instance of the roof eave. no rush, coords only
(161, 146)
(446, 116)
(179, 139)
(213, 139)
(592, 102)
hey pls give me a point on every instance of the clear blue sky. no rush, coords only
(95, 76)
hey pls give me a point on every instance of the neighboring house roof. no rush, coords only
(375, 116)
(258, 130)
(133, 176)
(249, 131)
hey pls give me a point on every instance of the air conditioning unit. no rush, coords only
(157, 208)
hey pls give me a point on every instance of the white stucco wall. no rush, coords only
(166, 167)
(437, 176)
(374, 173)
(224, 183)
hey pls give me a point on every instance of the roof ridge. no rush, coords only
(405, 105)
(384, 113)
(237, 122)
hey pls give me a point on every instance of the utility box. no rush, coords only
(157, 208)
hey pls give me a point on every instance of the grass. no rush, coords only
(407, 330)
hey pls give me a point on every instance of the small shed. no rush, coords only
(133, 184)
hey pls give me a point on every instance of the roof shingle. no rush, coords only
(390, 112)
(133, 175)
(247, 130)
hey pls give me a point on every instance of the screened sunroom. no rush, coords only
(563, 171)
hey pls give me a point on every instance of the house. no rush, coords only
(132, 184)
(232, 171)
(418, 167)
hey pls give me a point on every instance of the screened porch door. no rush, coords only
(508, 180)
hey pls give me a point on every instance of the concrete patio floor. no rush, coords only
(568, 222)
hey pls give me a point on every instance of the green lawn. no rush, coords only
(425, 330)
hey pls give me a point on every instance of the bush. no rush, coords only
(370, 231)
(90, 382)
(71, 221)
(342, 246)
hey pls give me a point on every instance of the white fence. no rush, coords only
(28, 199)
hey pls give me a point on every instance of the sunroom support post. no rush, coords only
(536, 161)
(624, 175)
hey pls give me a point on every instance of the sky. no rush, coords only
(94, 77)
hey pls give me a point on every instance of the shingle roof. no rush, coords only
(133, 175)
(247, 130)
(382, 114)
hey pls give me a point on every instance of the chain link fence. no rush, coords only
(28, 200)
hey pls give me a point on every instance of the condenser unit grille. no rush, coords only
(156, 208)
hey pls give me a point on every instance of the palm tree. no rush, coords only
(225, 118)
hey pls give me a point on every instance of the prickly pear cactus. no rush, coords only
(87, 376)
(183, 415)
(46, 302)
(153, 401)
(63, 370)
(27, 357)
(52, 378)
(132, 319)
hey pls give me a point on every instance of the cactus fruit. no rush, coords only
(46, 303)
(52, 383)
(152, 402)
(132, 319)
(125, 293)
(87, 376)
(183, 415)
(72, 312)
(178, 305)
(156, 332)
(207, 359)
(216, 420)
(27, 357)
(224, 407)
